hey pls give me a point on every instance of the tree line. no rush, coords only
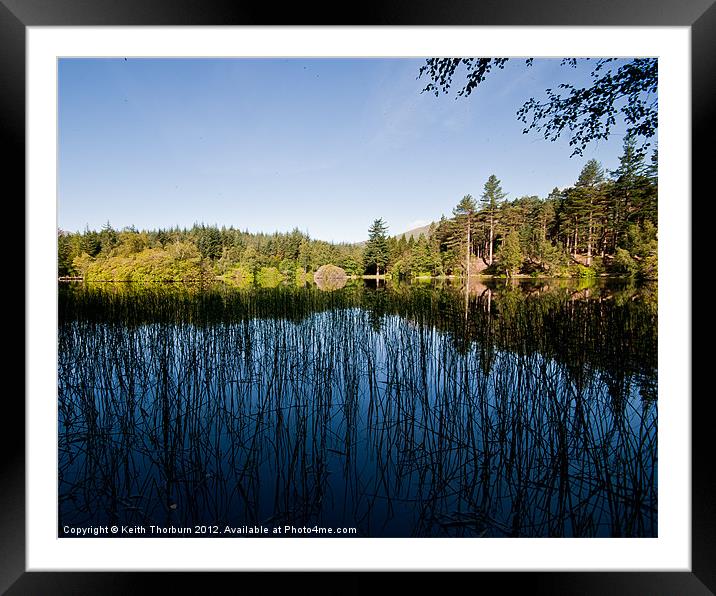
(605, 223)
(201, 251)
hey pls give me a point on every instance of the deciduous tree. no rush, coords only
(620, 90)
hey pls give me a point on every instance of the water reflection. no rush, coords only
(402, 410)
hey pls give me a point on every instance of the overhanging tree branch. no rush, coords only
(628, 92)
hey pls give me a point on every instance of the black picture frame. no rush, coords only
(699, 15)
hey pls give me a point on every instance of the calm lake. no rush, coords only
(515, 409)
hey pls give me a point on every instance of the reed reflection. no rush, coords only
(403, 410)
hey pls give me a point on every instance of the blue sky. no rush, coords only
(325, 145)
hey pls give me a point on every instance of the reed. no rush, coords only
(421, 410)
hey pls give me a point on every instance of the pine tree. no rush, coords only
(491, 198)
(304, 255)
(464, 214)
(650, 204)
(652, 170)
(209, 243)
(90, 242)
(64, 253)
(588, 197)
(629, 180)
(376, 249)
(107, 238)
(393, 250)
(510, 253)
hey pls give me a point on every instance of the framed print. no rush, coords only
(290, 284)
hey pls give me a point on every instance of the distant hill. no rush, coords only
(415, 232)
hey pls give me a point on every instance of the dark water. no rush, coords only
(401, 411)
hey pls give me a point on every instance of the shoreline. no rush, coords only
(371, 277)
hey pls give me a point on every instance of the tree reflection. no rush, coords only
(515, 410)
